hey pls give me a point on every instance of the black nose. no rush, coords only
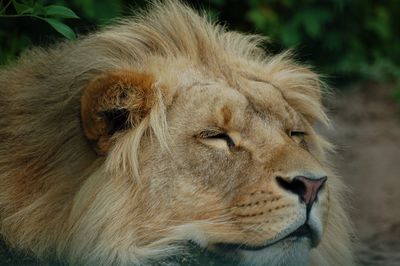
(307, 188)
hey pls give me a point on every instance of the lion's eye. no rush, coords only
(225, 137)
(297, 134)
(215, 135)
(298, 137)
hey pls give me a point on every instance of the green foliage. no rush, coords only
(61, 28)
(21, 21)
(21, 25)
(36, 9)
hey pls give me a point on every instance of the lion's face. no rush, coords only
(244, 162)
(240, 174)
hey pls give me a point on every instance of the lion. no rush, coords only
(165, 132)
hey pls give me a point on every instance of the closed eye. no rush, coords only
(297, 133)
(215, 135)
(299, 137)
(226, 137)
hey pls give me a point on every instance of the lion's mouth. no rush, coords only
(303, 231)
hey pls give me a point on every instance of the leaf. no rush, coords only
(258, 19)
(61, 28)
(290, 35)
(60, 12)
(39, 10)
(27, 11)
(22, 8)
(314, 20)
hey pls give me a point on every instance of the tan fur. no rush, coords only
(159, 181)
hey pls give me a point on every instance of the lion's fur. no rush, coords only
(58, 198)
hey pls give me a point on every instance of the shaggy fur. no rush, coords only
(108, 155)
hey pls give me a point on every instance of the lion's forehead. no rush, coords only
(246, 101)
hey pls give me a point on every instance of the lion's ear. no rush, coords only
(115, 101)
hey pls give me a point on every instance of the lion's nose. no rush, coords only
(306, 188)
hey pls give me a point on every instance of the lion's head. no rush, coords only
(169, 130)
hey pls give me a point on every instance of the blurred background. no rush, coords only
(355, 44)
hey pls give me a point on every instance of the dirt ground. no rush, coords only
(366, 131)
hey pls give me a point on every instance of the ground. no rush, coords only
(366, 131)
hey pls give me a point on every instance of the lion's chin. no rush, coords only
(290, 251)
(303, 231)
